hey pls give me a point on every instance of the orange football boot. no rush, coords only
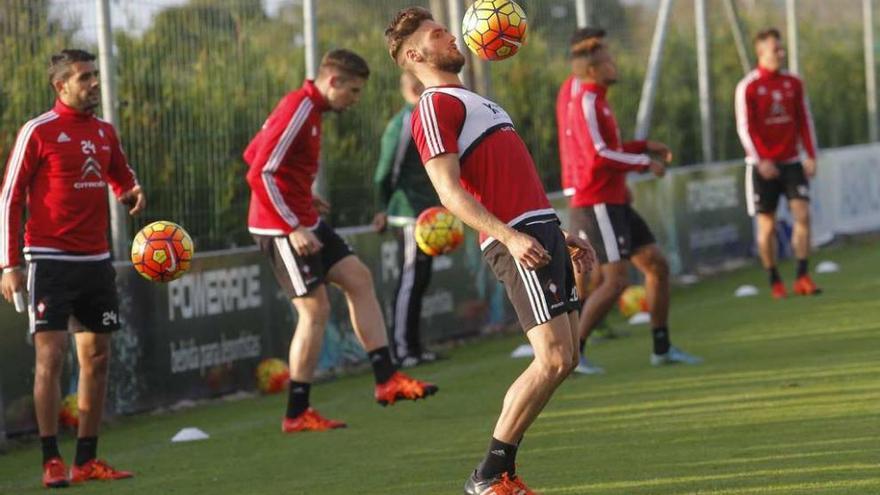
(401, 386)
(503, 485)
(778, 290)
(804, 286)
(310, 420)
(55, 473)
(97, 469)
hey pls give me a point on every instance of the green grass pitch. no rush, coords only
(788, 402)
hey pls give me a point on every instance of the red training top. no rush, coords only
(59, 168)
(283, 160)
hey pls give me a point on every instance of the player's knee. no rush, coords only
(614, 284)
(557, 364)
(49, 362)
(313, 310)
(96, 364)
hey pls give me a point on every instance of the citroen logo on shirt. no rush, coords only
(90, 175)
(90, 167)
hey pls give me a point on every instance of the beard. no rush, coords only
(451, 61)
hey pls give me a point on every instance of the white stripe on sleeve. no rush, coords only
(588, 104)
(742, 118)
(268, 173)
(12, 170)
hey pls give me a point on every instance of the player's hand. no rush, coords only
(769, 170)
(134, 199)
(660, 150)
(583, 257)
(380, 222)
(321, 205)
(809, 167)
(304, 241)
(12, 282)
(657, 168)
(527, 251)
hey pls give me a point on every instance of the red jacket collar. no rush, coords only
(595, 88)
(317, 98)
(64, 110)
(766, 73)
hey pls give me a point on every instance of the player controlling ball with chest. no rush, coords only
(484, 174)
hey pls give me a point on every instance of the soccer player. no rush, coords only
(569, 159)
(59, 170)
(774, 122)
(305, 252)
(403, 191)
(484, 175)
(601, 209)
(571, 163)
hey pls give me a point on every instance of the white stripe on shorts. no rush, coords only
(299, 286)
(606, 230)
(534, 296)
(750, 190)
(31, 283)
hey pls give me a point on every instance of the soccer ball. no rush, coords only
(438, 231)
(68, 413)
(272, 375)
(633, 300)
(162, 251)
(494, 29)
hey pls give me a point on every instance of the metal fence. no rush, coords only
(195, 79)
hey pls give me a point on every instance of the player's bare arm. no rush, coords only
(583, 257)
(12, 282)
(321, 204)
(767, 169)
(444, 172)
(660, 150)
(809, 167)
(135, 199)
(657, 168)
(304, 241)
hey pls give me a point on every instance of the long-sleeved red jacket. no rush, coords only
(60, 166)
(773, 117)
(602, 179)
(283, 159)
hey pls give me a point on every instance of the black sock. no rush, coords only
(383, 368)
(774, 275)
(86, 449)
(802, 267)
(50, 448)
(298, 398)
(583, 345)
(661, 340)
(501, 458)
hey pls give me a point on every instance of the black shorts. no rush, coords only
(538, 295)
(615, 231)
(762, 195)
(72, 295)
(298, 275)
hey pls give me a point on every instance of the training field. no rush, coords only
(788, 403)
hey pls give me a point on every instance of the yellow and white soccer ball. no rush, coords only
(438, 231)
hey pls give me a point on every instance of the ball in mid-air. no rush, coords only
(633, 300)
(272, 375)
(494, 29)
(438, 231)
(162, 251)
